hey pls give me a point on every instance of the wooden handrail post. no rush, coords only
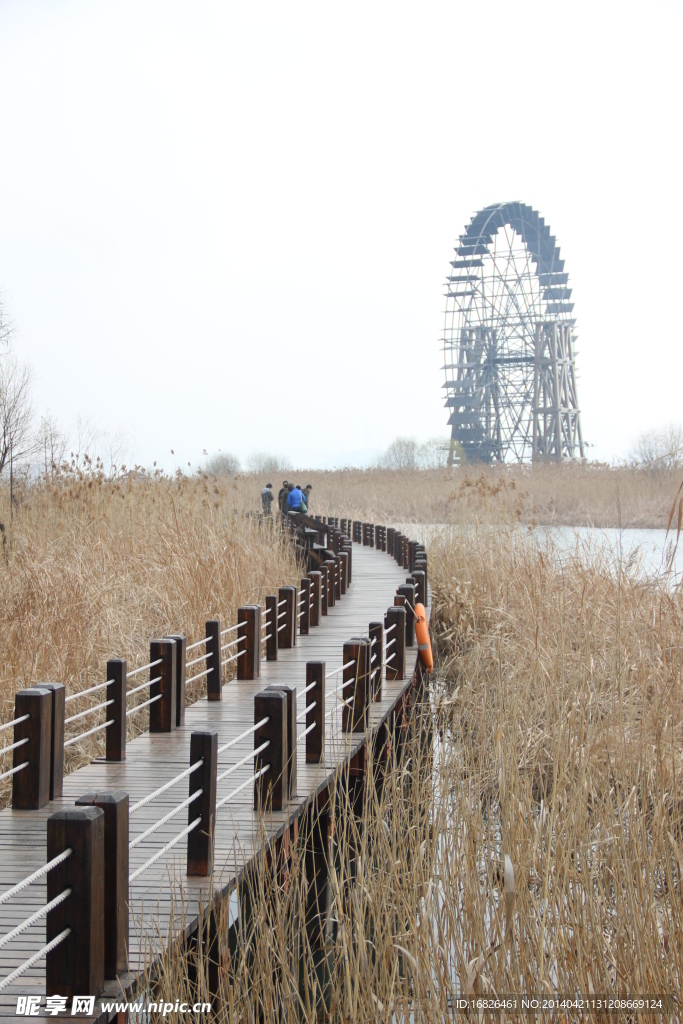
(203, 747)
(315, 739)
(162, 714)
(287, 627)
(376, 635)
(411, 554)
(357, 527)
(344, 526)
(421, 564)
(56, 738)
(324, 588)
(384, 538)
(76, 965)
(116, 691)
(418, 578)
(271, 631)
(407, 590)
(304, 612)
(115, 808)
(180, 659)
(396, 665)
(270, 789)
(329, 564)
(348, 548)
(214, 685)
(343, 571)
(406, 553)
(315, 576)
(249, 661)
(390, 540)
(31, 785)
(290, 763)
(357, 675)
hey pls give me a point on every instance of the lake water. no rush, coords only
(647, 553)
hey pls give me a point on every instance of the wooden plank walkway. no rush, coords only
(153, 759)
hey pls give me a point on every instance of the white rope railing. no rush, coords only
(243, 735)
(13, 746)
(142, 686)
(13, 771)
(59, 859)
(90, 711)
(248, 782)
(18, 971)
(142, 668)
(167, 817)
(82, 693)
(164, 849)
(139, 707)
(242, 761)
(43, 912)
(204, 640)
(167, 785)
(91, 732)
(200, 675)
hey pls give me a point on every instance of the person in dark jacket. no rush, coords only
(267, 498)
(282, 497)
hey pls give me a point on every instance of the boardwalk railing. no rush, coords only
(89, 846)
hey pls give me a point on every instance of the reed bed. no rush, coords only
(527, 839)
(588, 494)
(97, 569)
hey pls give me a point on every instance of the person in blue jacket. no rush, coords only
(294, 499)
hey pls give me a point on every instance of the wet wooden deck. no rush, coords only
(153, 759)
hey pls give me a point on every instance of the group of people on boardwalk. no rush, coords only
(291, 498)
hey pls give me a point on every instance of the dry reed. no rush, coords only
(97, 569)
(534, 847)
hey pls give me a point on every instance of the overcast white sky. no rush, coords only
(228, 225)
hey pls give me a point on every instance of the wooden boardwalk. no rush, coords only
(153, 759)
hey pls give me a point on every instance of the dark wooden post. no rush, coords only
(357, 531)
(411, 554)
(115, 808)
(304, 613)
(376, 634)
(315, 740)
(31, 785)
(418, 579)
(348, 549)
(331, 582)
(180, 659)
(249, 661)
(343, 525)
(116, 691)
(324, 588)
(203, 747)
(406, 554)
(162, 714)
(343, 570)
(290, 765)
(56, 738)
(214, 685)
(76, 965)
(396, 651)
(407, 590)
(271, 629)
(287, 625)
(390, 540)
(271, 788)
(421, 565)
(384, 538)
(355, 714)
(316, 598)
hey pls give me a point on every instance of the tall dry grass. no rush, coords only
(97, 569)
(536, 846)
(569, 494)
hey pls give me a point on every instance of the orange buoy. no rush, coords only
(424, 644)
